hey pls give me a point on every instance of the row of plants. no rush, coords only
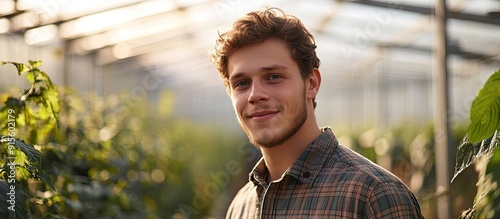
(71, 155)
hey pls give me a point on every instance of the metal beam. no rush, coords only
(441, 118)
(452, 50)
(430, 11)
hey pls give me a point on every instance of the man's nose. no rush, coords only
(258, 93)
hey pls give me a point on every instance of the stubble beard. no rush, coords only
(269, 140)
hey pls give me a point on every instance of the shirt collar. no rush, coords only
(307, 166)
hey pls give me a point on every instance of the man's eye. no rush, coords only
(272, 77)
(241, 84)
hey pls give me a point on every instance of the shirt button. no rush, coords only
(306, 174)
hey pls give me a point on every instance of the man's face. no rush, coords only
(268, 92)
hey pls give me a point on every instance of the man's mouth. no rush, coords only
(262, 115)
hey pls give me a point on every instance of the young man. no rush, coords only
(268, 64)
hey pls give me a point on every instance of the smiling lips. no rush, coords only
(262, 115)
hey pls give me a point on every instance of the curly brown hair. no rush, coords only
(259, 26)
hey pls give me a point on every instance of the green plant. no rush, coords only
(479, 146)
(36, 109)
(86, 156)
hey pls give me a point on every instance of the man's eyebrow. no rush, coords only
(274, 67)
(236, 75)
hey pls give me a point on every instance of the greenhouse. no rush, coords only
(119, 112)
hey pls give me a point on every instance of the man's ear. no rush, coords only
(313, 83)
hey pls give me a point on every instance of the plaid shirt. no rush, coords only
(327, 181)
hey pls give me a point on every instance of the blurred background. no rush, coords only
(148, 131)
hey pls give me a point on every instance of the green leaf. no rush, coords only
(21, 68)
(13, 103)
(485, 110)
(44, 177)
(42, 76)
(53, 102)
(31, 75)
(468, 152)
(34, 156)
(35, 64)
(36, 172)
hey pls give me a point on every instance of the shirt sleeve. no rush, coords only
(393, 200)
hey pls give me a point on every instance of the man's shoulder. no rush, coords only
(247, 188)
(245, 194)
(244, 203)
(347, 164)
(336, 164)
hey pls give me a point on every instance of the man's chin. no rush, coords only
(265, 140)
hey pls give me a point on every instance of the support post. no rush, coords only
(441, 123)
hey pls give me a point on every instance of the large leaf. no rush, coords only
(485, 110)
(34, 158)
(468, 152)
(33, 155)
(36, 172)
(35, 162)
(484, 131)
(21, 68)
(52, 101)
(44, 77)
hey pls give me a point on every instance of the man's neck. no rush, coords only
(280, 157)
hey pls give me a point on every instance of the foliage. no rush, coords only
(114, 158)
(485, 110)
(480, 142)
(469, 152)
(109, 157)
(34, 112)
